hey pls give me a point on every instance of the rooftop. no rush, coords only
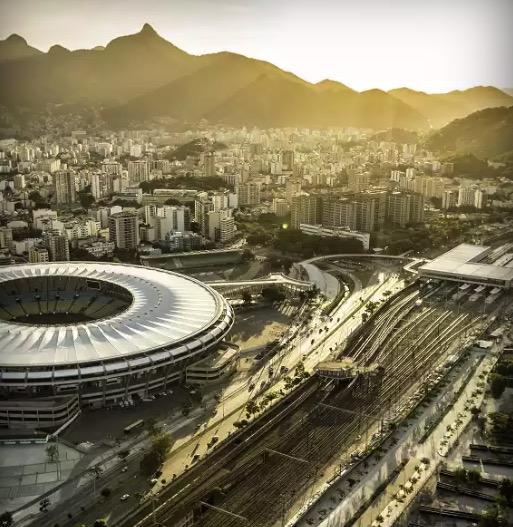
(463, 261)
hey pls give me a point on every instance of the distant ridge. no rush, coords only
(137, 78)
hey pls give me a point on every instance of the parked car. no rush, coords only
(125, 497)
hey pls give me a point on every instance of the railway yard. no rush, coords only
(263, 476)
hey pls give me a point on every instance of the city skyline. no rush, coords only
(437, 47)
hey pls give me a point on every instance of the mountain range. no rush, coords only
(137, 78)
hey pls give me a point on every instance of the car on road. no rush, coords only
(153, 481)
(251, 386)
(125, 497)
(124, 469)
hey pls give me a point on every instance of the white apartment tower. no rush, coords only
(65, 188)
(124, 230)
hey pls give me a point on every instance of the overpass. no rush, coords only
(278, 280)
(328, 284)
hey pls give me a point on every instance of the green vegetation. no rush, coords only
(85, 197)
(160, 446)
(52, 451)
(486, 134)
(498, 384)
(435, 234)
(6, 519)
(185, 182)
(396, 135)
(295, 242)
(106, 492)
(492, 517)
(499, 426)
(470, 478)
(193, 148)
(153, 428)
(272, 294)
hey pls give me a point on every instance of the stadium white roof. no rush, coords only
(167, 309)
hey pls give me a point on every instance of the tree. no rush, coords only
(52, 451)
(272, 294)
(498, 384)
(473, 478)
(152, 426)
(6, 519)
(247, 256)
(506, 489)
(161, 445)
(101, 522)
(86, 200)
(252, 408)
(490, 518)
(173, 202)
(106, 492)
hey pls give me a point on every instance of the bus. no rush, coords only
(134, 426)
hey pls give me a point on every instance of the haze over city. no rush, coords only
(433, 46)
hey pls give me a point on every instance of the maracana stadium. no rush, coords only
(86, 334)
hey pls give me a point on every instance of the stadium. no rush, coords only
(77, 334)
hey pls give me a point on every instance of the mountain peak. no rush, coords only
(148, 30)
(14, 38)
(58, 49)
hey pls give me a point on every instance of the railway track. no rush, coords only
(272, 477)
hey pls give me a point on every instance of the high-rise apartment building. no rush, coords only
(171, 219)
(466, 196)
(65, 188)
(280, 207)
(58, 246)
(358, 182)
(479, 199)
(201, 210)
(138, 171)
(209, 164)
(430, 187)
(6, 239)
(221, 226)
(248, 193)
(124, 230)
(95, 181)
(38, 255)
(287, 159)
(305, 208)
(449, 199)
(292, 189)
(364, 211)
(404, 208)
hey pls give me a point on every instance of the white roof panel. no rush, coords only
(167, 309)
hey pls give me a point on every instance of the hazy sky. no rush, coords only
(430, 45)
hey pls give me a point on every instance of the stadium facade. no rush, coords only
(76, 335)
